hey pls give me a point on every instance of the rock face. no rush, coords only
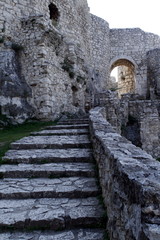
(52, 188)
(14, 90)
(130, 183)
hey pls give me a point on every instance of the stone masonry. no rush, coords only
(130, 183)
(48, 187)
(55, 60)
(59, 56)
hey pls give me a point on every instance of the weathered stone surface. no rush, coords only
(59, 195)
(47, 170)
(14, 89)
(130, 180)
(75, 187)
(61, 142)
(73, 126)
(152, 231)
(52, 213)
(81, 234)
(61, 132)
(48, 155)
(74, 121)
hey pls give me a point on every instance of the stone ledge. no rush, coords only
(130, 181)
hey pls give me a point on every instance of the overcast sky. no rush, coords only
(144, 14)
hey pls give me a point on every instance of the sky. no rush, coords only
(144, 14)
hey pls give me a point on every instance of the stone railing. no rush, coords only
(130, 180)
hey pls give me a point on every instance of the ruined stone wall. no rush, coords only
(135, 118)
(147, 115)
(54, 56)
(133, 45)
(66, 61)
(14, 90)
(100, 52)
(126, 80)
(153, 62)
(130, 183)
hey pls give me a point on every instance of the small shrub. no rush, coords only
(106, 237)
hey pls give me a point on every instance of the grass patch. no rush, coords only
(106, 236)
(13, 133)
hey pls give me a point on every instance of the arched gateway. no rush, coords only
(125, 79)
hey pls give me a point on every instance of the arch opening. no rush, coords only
(54, 13)
(122, 77)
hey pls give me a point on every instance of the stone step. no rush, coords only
(52, 142)
(71, 187)
(73, 122)
(51, 213)
(61, 132)
(78, 234)
(51, 170)
(72, 126)
(48, 155)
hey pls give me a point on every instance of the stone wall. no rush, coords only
(65, 57)
(135, 118)
(133, 45)
(55, 56)
(130, 183)
(153, 62)
(100, 52)
(147, 115)
(126, 80)
(14, 91)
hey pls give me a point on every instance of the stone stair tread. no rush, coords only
(71, 126)
(61, 132)
(72, 234)
(51, 142)
(51, 213)
(47, 170)
(71, 187)
(73, 122)
(48, 155)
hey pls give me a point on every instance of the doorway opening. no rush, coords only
(122, 77)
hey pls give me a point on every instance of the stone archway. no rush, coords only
(125, 80)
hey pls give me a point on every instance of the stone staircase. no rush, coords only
(48, 188)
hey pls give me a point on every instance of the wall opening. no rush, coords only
(122, 77)
(132, 131)
(54, 13)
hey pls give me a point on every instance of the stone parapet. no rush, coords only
(130, 182)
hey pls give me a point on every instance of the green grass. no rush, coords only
(13, 133)
(106, 236)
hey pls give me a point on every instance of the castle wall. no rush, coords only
(126, 80)
(147, 115)
(55, 58)
(153, 62)
(130, 183)
(136, 119)
(100, 51)
(133, 45)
